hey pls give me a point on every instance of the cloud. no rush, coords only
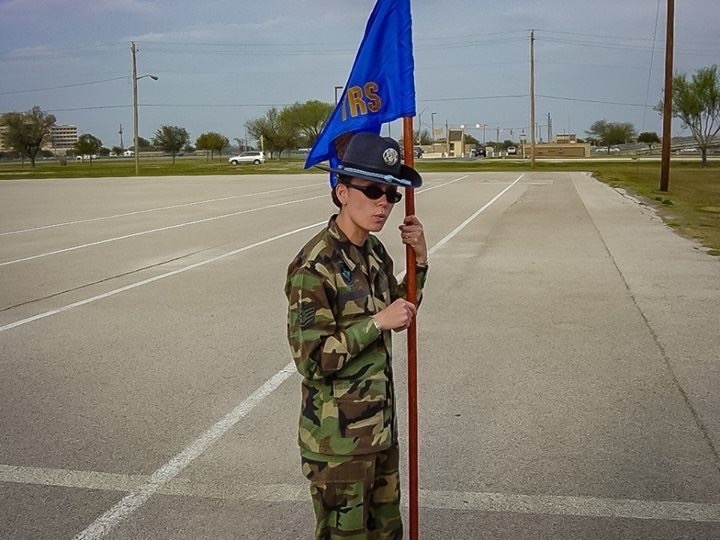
(23, 8)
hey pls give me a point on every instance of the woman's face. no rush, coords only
(366, 213)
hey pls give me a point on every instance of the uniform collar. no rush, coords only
(351, 254)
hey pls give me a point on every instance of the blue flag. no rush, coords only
(381, 86)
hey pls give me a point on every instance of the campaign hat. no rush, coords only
(378, 159)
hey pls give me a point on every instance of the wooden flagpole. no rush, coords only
(408, 143)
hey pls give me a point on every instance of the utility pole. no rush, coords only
(549, 139)
(532, 99)
(122, 146)
(135, 79)
(667, 103)
(336, 93)
(135, 109)
(447, 140)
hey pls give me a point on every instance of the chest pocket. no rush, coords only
(381, 291)
(353, 296)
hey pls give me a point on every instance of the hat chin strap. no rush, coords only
(386, 177)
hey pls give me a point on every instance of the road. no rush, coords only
(569, 360)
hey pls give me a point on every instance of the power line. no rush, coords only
(627, 38)
(652, 60)
(61, 87)
(564, 98)
(602, 36)
(173, 105)
(251, 105)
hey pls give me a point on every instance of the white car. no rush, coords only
(251, 156)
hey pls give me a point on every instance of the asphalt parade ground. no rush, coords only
(569, 360)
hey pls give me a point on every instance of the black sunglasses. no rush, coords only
(374, 192)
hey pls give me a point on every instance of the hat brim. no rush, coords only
(409, 177)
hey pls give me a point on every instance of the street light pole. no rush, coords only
(135, 79)
(135, 110)
(483, 128)
(532, 99)
(336, 94)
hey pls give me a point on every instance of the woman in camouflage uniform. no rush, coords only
(343, 302)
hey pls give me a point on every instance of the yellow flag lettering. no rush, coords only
(371, 91)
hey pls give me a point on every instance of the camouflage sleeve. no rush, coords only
(399, 290)
(320, 347)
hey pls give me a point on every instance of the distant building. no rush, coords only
(3, 143)
(456, 142)
(62, 138)
(566, 138)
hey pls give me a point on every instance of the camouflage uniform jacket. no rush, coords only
(333, 289)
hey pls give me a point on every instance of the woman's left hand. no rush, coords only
(413, 235)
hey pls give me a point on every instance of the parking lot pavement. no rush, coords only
(571, 352)
(568, 361)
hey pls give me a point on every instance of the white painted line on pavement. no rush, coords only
(469, 501)
(571, 506)
(41, 476)
(153, 279)
(465, 223)
(160, 229)
(441, 185)
(136, 498)
(114, 216)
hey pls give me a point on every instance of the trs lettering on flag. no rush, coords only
(361, 100)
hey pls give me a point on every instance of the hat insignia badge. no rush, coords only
(390, 156)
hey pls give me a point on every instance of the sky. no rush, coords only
(220, 63)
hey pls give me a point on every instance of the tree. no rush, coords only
(87, 145)
(143, 144)
(242, 144)
(306, 118)
(611, 133)
(171, 139)
(422, 136)
(27, 132)
(469, 139)
(649, 138)
(276, 131)
(211, 141)
(118, 151)
(696, 103)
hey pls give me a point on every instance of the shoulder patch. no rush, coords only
(306, 315)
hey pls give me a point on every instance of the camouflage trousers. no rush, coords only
(358, 498)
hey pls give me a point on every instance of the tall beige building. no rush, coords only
(62, 138)
(3, 144)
